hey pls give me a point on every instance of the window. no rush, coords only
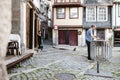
(91, 14)
(74, 0)
(73, 12)
(119, 10)
(102, 14)
(60, 13)
(60, 0)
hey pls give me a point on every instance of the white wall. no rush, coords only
(108, 34)
(55, 36)
(23, 25)
(5, 27)
(67, 21)
(50, 13)
(37, 3)
(82, 41)
(81, 38)
(115, 16)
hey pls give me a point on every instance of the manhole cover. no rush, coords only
(65, 76)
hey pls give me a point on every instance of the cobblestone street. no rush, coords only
(60, 40)
(46, 64)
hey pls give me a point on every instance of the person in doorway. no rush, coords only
(41, 45)
(39, 39)
(89, 37)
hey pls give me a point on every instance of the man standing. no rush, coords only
(40, 40)
(89, 38)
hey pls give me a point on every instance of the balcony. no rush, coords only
(67, 3)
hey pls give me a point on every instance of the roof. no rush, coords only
(116, 1)
(98, 2)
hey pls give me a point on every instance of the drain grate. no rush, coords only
(65, 76)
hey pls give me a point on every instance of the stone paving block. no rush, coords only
(93, 72)
(65, 76)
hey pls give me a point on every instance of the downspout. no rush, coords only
(115, 16)
(114, 26)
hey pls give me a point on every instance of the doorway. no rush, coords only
(117, 38)
(101, 33)
(29, 27)
(68, 37)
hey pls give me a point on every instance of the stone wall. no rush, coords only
(5, 28)
(16, 16)
(5, 25)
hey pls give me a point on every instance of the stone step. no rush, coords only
(17, 59)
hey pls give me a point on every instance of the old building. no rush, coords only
(26, 22)
(44, 6)
(116, 22)
(99, 13)
(49, 20)
(5, 28)
(67, 22)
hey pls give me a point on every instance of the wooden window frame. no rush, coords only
(57, 13)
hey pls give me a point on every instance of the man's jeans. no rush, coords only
(88, 46)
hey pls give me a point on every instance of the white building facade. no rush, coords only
(116, 22)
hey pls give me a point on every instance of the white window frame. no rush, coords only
(60, 0)
(73, 11)
(98, 17)
(87, 13)
(118, 10)
(74, 0)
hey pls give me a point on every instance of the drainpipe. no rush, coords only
(115, 25)
(115, 16)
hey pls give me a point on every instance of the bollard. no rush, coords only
(97, 66)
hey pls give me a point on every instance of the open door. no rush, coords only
(29, 27)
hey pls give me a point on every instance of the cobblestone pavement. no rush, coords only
(45, 64)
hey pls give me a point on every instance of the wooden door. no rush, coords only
(73, 38)
(27, 24)
(29, 27)
(62, 36)
(35, 32)
(68, 37)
